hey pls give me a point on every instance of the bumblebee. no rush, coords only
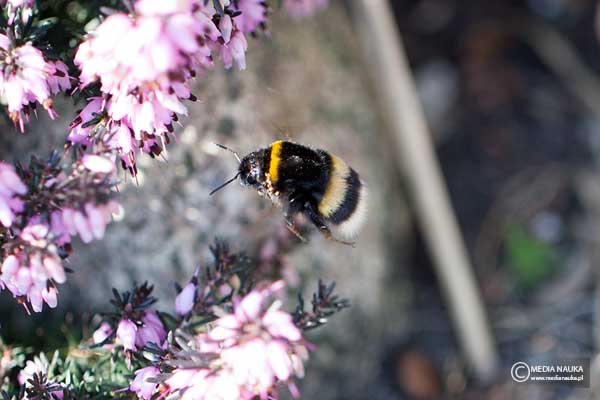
(313, 182)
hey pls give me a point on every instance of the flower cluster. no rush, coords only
(52, 207)
(234, 342)
(13, 8)
(134, 325)
(253, 14)
(34, 378)
(145, 63)
(248, 352)
(28, 78)
(228, 275)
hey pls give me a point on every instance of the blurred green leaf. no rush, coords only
(530, 259)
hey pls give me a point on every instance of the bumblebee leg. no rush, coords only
(294, 205)
(319, 222)
(289, 223)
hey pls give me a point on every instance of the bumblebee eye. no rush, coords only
(250, 180)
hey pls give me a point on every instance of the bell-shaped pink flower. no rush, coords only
(99, 164)
(126, 333)
(28, 78)
(10, 187)
(235, 50)
(253, 14)
(184, 302)
(152, 330)
(141, 386)
(103, 332)
(258, 347)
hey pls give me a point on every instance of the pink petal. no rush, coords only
(180, 31)
(23, 281)
(96, 220)
(102, 333)
(98, 164)
(184, 302)
(219, 333)
(49, 296)
(9, 267)
(140, 384)
(250, 306)
(181, 378)
(39, 276)
(83, 227)
(6, 214)
(226, 26)
(55, 269)
(279, 360)
(68, 218)
(35, 298)
(126, 332)
(280, 324)
(12, 180)
(4, 42)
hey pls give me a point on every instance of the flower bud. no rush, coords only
(126, 333)
(184, 302)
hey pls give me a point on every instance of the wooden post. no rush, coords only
(410, 137)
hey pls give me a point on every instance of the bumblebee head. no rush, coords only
(250, 171)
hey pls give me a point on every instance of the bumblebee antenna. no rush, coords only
(237, 156)
(224, 184)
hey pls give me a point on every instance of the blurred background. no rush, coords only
(511, 93)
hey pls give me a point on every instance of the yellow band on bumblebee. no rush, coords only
(275, 160)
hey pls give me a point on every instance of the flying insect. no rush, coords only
(310, 181)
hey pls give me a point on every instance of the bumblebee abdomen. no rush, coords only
(344, 202)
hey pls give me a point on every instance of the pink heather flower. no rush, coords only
(26, 78)
(127, 54)
(126, 334)
(202, 384)
(140, 384)
(89, 223)
(36, 366)
(145, 64)
(259, 344)
(102, 333)
(235, 50)
(99, 164)
(32, 254)
(151, 331)
(31, 367)
(257, 347)
(165, 7)
(33, 275)
(253, 14)
(26, 7)
(33, 267)
(303, 8)
(79, 134)
(132, 336)
(60, 81)
(184, 302)
(10, 187)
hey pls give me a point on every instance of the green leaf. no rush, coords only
(530, 259)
